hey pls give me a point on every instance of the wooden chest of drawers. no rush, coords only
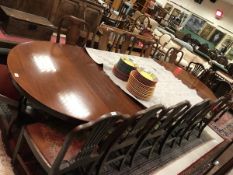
(24, 24)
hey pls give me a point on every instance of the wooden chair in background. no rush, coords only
(221, 87)
(129, 44)
(195, 68)
(89, 11)
(77, 30)
(118, 40)
(222, 60)
(162, 49)
(140, 23)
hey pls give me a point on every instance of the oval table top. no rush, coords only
(66, 82)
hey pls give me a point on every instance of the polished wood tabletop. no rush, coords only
(66, 82)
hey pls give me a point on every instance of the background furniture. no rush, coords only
(24, 24)
(54, 10)
(77, 31)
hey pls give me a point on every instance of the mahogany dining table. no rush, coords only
(64, 81)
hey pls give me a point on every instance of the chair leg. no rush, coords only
(200, 131)
(19, 142)
(189, 134)
(21, 107)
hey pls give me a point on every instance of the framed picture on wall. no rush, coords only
(216, 37)
(168, 7)
(206, 31)
(195, 24)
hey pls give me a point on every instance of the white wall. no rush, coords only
(207, 10)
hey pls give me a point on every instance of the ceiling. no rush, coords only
(229, 1)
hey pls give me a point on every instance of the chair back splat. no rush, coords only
(214, 110)
(195, 68)
(218, 108)
(77, 30)
(178, 127)
(120, 150)
(158, 127)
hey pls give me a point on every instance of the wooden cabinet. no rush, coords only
(24, 24)
(116, 4)
(36, 7)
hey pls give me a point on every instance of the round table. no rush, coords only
(64, 81)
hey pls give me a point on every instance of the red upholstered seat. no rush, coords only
(6, 87)
(48, 140)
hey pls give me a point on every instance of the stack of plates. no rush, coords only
(141, 84)
(123, 68)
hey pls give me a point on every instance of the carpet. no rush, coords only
(202, 165)
(5, 161)
(224, 126)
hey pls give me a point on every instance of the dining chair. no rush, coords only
(208, 77)
(174, 55)
(212, 112)
(120, 150)
(131, 44)
(230, 69)
(168, 48)
(77, 30)
(8, 93)
(60, 149)
(140, 23)
(162, 49)
(121, 41)
(195, 68)
(108, 37)
(92, 13)
(222, 60)
(222, 87)
(149, 141)
(213, 54)
(178, 127)
(89, 11)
